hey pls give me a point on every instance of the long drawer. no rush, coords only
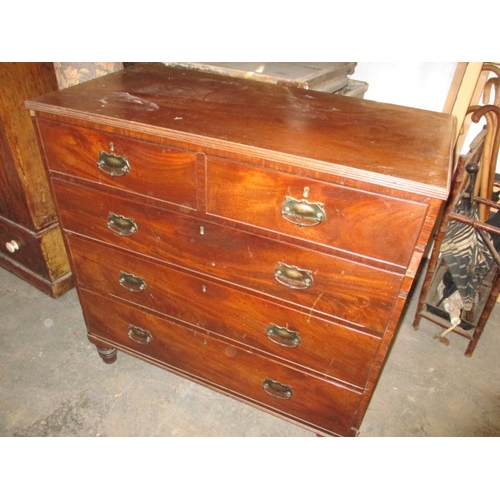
(360, 294)
(146, 168)
(302, 339)
(241, 372)
(380, 227)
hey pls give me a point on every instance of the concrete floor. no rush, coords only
(53, 383)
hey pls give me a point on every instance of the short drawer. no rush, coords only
(357, 293)
(302, 339)
(240, 372)
(368, 224)
(148, 169)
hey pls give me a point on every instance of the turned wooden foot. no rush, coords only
(107, 355)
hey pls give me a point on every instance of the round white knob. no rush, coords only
(12, 246)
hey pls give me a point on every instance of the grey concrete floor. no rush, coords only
(53, 383)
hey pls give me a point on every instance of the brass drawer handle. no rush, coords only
(121, 225)
(293, 277)
(277, 389)
(283, 336)
(131, 282)
(139, 335)
(112, 164)
(302, 212)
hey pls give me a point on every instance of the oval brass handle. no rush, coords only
(112, 164)
(302, 212)
(277, 389)
(293, 277)
(121, 225)
(283, 336)
(139, 335)
(131, 282)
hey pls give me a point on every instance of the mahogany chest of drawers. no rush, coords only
(254, 238)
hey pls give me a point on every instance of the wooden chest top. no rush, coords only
(356, 139)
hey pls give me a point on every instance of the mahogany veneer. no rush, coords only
(257, 239)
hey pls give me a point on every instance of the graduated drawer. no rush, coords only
(240, 372)
(299, 338)
(373, 225)
(338, 287)
(148, 169)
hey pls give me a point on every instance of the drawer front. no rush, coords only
(357, 293)
(376, 226)
(137, 166)
(23, 247)
(299, 338)
(243, 373)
